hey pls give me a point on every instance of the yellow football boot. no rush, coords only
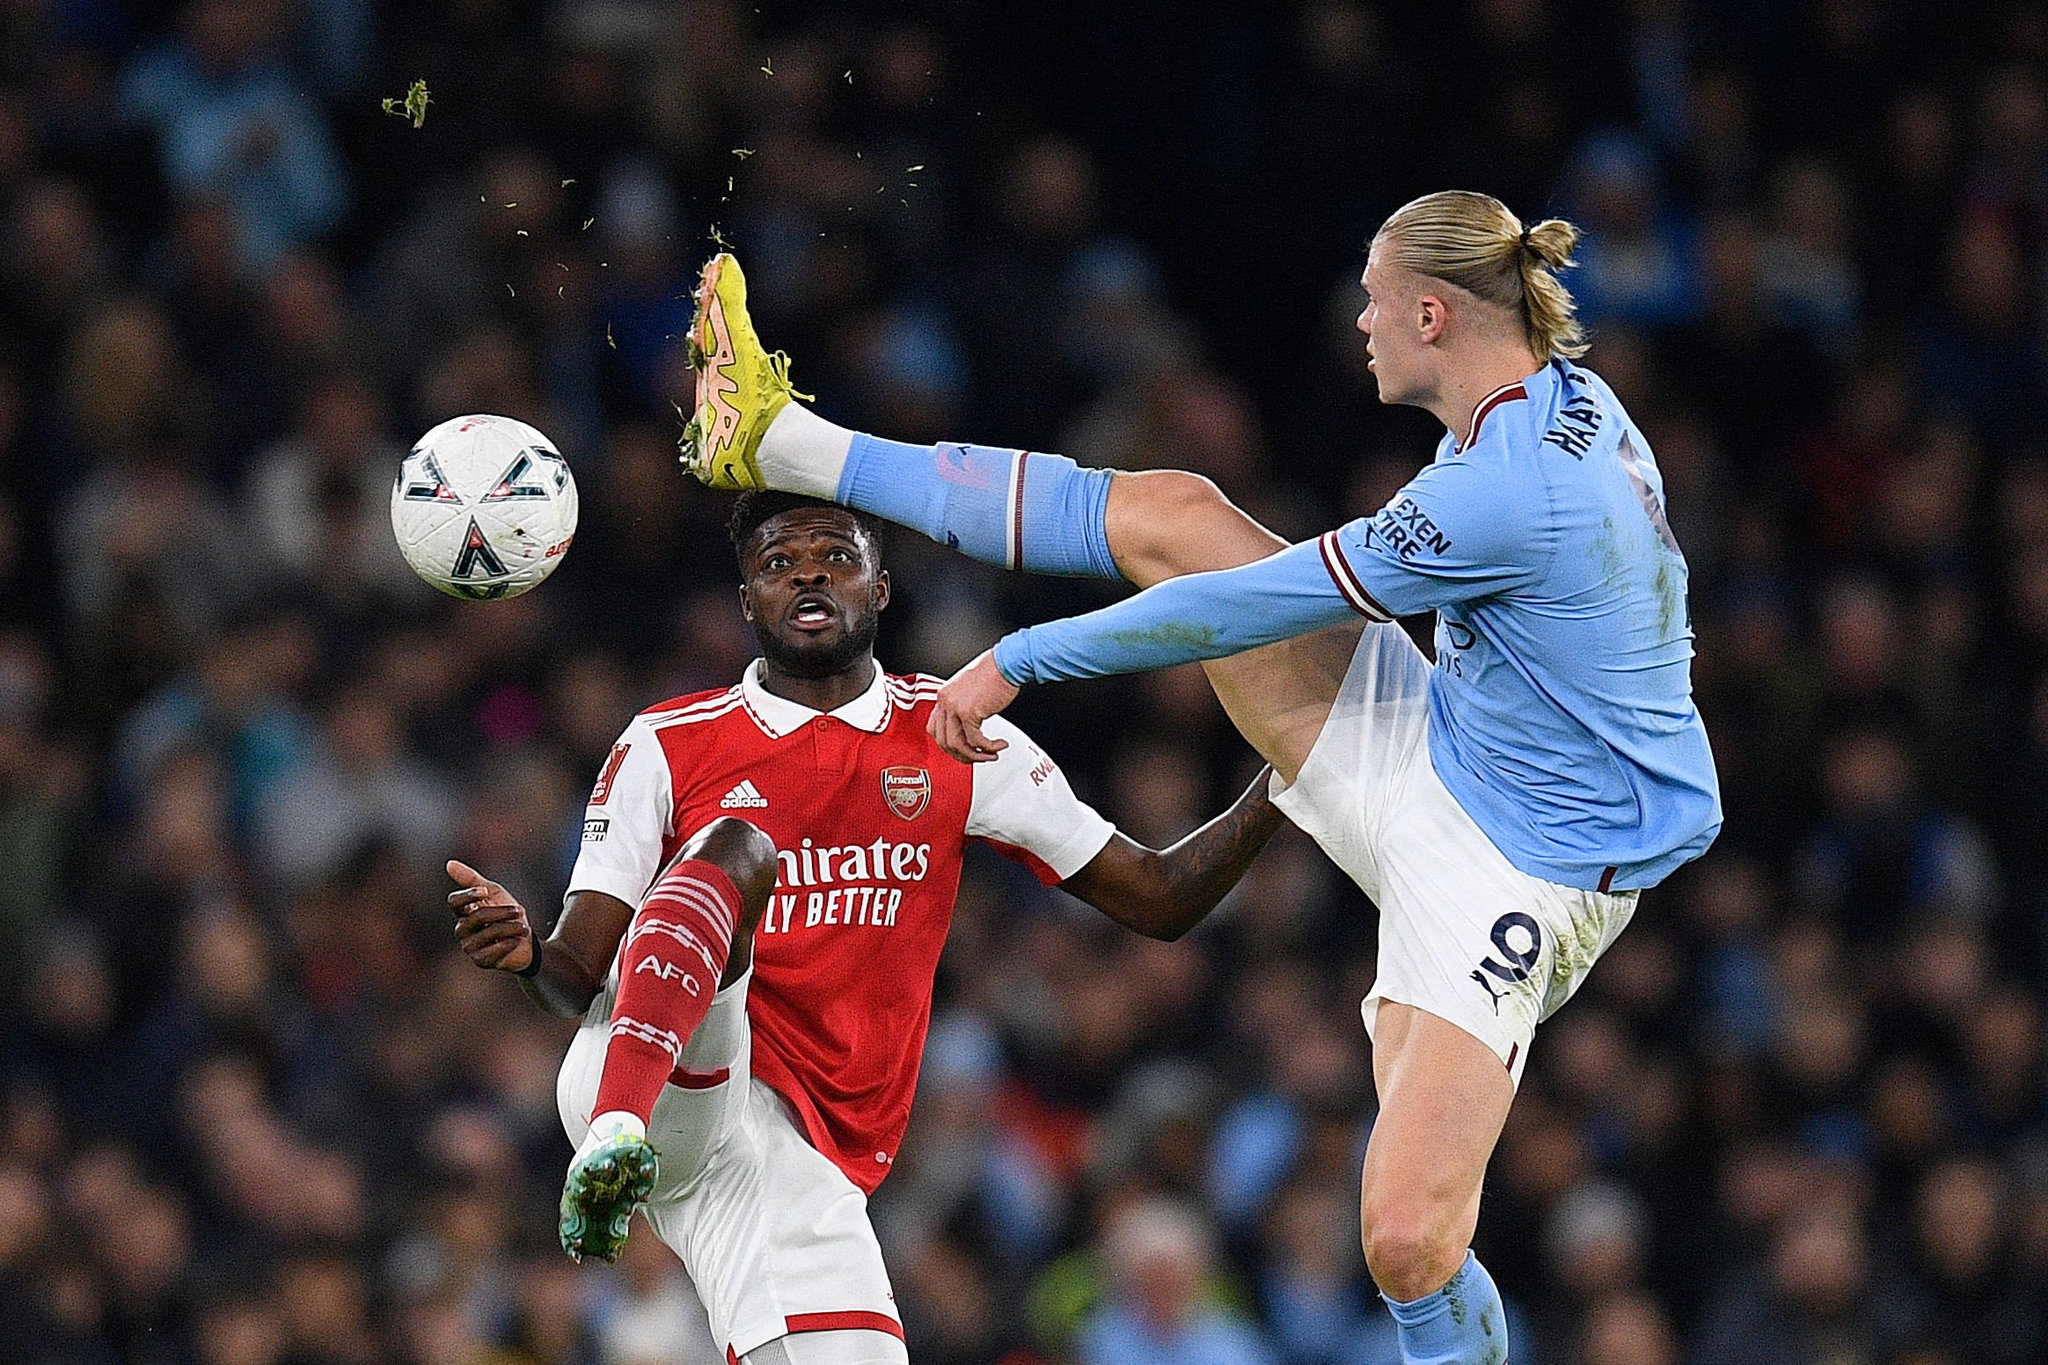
(741, 384)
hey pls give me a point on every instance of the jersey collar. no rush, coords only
(1506, 393)
(780, 716)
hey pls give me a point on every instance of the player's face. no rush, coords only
(814, 592)
(1396, 334)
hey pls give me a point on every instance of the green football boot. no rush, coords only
(606, 1183)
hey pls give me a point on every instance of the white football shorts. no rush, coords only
(1464, 933)
(775, 1236)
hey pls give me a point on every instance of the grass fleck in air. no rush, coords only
(413, 105)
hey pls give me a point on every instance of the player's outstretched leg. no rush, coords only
(1021, 510)
(692, 934)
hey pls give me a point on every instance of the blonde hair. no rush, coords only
(1474, 242)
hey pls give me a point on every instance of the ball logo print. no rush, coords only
(484, 507)
(517, 482)
(477, 554)
(432, 487)
(907, 790)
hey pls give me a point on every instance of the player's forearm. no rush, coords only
(565, 984)
(576, 959)
(1200, 870)
(1164, 894)
(1182, 620)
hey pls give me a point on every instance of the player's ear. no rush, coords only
(1430, 317)
(746, 603)
(881, 590)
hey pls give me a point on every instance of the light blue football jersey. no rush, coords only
(1561, 712)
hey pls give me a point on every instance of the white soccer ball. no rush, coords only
(484, 507)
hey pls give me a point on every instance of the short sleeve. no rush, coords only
(1022, 803)
(627, 819)
(1458, 530)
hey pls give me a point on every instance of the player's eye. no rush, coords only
(776, 562)
(841, 556)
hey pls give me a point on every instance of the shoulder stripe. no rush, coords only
(1346, 579)
(696, 716)
(717, 701)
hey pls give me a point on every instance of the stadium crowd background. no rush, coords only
(255, 1109)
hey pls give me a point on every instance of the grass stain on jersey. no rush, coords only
(1670, 599)
(1176, 635)
(1613, 563)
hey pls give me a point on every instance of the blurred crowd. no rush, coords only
(256, 1110)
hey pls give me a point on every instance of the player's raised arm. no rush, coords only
(1183, 620)
(1163, 893)
(1025, 807)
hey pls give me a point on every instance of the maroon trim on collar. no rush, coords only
(1506, 394)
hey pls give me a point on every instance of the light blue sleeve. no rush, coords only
(1460, 529)
(1198, 616)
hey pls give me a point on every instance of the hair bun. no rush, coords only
(1551, 242)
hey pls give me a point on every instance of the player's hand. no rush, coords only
(967, 699)
(489, 924)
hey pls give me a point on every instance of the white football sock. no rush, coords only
(801, 452)
(609, 1125)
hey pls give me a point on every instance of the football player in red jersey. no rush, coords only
(766, 880)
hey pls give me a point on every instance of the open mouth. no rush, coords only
(812, 611)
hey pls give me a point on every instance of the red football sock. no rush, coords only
(669, 967)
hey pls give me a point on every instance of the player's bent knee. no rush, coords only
(1165, 502)
(1412, 1246)
(1167, 522)
(745, 853)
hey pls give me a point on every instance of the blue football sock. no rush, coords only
(1461, 1324)
(1040, 513)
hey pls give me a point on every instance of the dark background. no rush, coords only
(256, 1110)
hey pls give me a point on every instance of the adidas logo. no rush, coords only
(743, 797)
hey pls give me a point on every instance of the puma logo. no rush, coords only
(1497, 996)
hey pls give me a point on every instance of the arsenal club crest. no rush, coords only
(907, 790)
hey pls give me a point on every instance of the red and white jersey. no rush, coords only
(870, 819)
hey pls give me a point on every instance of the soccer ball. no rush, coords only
(483, 507)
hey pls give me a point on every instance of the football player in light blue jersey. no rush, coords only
(1504, 808)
